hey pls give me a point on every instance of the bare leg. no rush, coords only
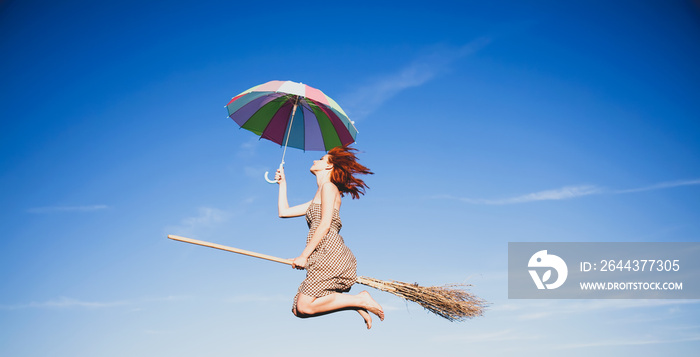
(310, 306)
(365, 316)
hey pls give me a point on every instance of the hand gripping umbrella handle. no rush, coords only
(230, 249)
(267, 172)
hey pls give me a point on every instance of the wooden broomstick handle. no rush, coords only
(450, 303)
(230, 249)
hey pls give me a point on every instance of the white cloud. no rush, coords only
(567, 192)
(256, 298)
(70, 303)
(367, 98)
(545, 309)
(494, 336)
(563, 193)
(629, 342)
(206, 218)
(249, 147)
(52, 209)
(257, 172)
(64, 303)
(662, 185)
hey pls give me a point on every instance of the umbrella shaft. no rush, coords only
(289, 130)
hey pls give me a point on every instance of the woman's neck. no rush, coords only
(322, 177)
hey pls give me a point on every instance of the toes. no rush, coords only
(367, 317)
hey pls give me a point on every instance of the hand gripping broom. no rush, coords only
(449, 301)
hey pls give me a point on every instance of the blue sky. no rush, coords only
(485, 123)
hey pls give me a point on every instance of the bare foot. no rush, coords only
(368, 318)
(372, 306)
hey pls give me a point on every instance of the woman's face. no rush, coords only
(320, 165)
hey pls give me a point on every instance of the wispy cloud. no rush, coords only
(206, 217)
(548, 309)
(257, 172)
(257, 298)
(567, 192)
(563, 193)
(63, 303)
(662, 185)
(526, 313)
(71, 303)
(492, 336)
(249, 147)
(53, 209)
(628, 342)
(367, 98)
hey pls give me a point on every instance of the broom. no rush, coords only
(450, 301)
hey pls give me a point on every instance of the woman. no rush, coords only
(330, 265)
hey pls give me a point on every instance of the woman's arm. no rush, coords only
(283, 208)
(329, 193)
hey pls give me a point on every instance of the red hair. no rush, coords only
(345, 167)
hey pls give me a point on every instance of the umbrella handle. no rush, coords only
(267, 179)
(267, 172)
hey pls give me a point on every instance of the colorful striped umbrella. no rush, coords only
(292, 114)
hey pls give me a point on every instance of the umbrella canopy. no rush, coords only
(292, 114)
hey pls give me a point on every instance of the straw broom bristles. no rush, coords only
(449, 301)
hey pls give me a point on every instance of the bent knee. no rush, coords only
(302, 307)
(299, 309)
(302, 310)
(299, 313)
